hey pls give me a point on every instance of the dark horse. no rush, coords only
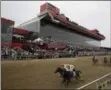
(67, 75)
(105, 61)
(110, 61)
(95, 61)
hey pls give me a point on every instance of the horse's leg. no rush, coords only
(63, 80)
(76, 77)
(68, 81)
(79, 77)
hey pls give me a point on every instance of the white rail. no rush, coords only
(93, 81)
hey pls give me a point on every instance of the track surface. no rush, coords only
(39, 74)
(108, 87)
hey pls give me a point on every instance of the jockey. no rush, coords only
(69, 67)
(72, 69)
(65, 67)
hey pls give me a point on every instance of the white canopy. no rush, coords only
(38, 40)
(19, 36)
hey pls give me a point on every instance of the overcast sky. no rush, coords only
(90, 14)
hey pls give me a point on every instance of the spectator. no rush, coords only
(14, 54)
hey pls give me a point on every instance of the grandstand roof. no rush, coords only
(62, 19)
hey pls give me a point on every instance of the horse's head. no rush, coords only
(78, 72)
(59, 70)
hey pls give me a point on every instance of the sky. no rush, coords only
(90, 14)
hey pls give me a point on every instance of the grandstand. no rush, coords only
(50, 22)
(58, 34)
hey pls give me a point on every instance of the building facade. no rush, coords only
(47, 28)
(6, 31)
(64, 35)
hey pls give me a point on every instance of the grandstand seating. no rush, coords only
(60, 49)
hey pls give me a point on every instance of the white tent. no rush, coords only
(18, 36)
(38, 40)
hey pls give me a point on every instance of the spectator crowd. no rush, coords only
(37, 52)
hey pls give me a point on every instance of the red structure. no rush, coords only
(14, 31)
(10, 22)
(21, 31)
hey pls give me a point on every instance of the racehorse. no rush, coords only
(67, 75)
(110, 61)
(105, 61)
(95, 61)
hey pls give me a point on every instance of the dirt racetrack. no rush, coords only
(39, 74)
